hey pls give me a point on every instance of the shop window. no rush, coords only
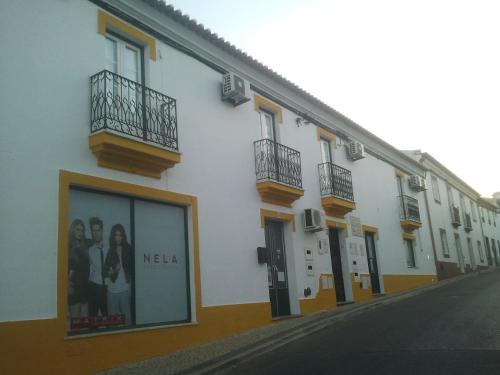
(128, 263)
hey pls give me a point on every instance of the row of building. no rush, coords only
(162, 189)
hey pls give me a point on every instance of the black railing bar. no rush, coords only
(133, 82)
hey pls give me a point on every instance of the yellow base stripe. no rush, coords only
(51, 354)
(324, 299)
(399, 283)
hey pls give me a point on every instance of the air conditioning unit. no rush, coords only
(417, 183)
(311, 218)
(235, 89)
(355, 150)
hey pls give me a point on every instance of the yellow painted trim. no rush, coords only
(339, 225)
(276, 193)
(67, 179)
(399, 283)
(325, 134)
(51, 353)
(399, 173)
(124, 154)
(359, 294)
(408, 236)
(368, 228)
(410, 225)
(270, 214)
(260, 102)
(337, 207)
(325, 299)
(106, 21)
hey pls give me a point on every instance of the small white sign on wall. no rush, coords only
(356, 228)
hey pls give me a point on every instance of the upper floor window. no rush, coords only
(326, 151)
(267, 125)
(473, 210)
(489, 216)
(123, 58)
(435, 189)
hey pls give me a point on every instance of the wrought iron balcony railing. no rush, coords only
(409, 208)
(467, 222)
(455, 216)
(128, 107)
(335, 180)
(274, 161)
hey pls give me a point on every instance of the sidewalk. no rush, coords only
(206, 358)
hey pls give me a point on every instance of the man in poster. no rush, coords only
(97, 286)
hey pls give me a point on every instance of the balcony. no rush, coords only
(278, 171)
(455, 216)
(410, 214)
(467, 223)
(335, 185)
(133, 128)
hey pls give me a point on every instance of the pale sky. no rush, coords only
(419, 74)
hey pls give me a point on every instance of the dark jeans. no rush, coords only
(98, 299)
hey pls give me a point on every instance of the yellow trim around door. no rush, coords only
(338, 225)
(270, 214)
(325, 134)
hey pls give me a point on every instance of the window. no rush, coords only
(480, 250)
(481, 209)
(128, 263)
(435, 189)
(123, 58)
(326, 151)
(267, 125)
(489, 216)
(410, 253)
(473, 210)
(444, 243)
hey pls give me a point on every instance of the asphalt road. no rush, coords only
(454, 329)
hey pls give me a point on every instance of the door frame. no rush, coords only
(373, 232)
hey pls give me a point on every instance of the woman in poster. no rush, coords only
(118, 267)
(79, 267)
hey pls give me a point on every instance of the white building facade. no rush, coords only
(141, 210)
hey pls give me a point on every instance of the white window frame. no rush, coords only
(435, 189)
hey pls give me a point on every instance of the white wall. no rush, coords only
(45, 108)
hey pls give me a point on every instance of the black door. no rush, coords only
(333, 235)
(372, 261)
(276, 269)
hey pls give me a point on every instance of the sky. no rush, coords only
(418, 74)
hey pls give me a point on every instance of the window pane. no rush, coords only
(410, 256)
(266, 121)
(325, 151)
(111, 56)
(131, 69)
(160, 263)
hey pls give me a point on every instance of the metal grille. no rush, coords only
(455, 216)
(335, 180)
(409, 208)
(468, 222)
(274, 161)
(128, 107)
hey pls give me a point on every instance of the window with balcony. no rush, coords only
(444, 243)
(277, 167)
(133, 128)
(335, 182)
(410, 213)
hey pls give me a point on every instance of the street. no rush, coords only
(449, 330)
